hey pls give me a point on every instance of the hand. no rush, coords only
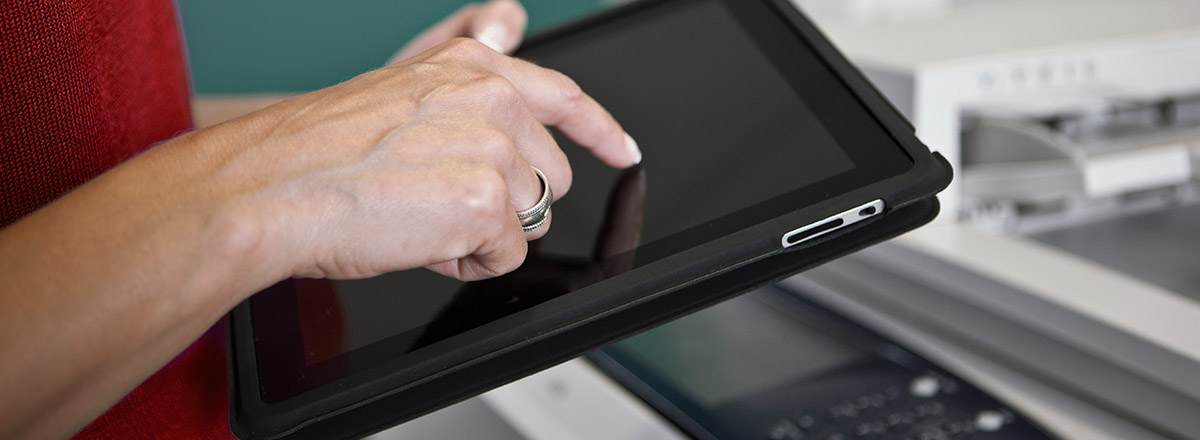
(421, 163)
(498, 24)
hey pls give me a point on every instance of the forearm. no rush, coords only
(210, 110)
(106, 285)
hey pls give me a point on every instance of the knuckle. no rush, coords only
(480, 89)
(494, 89)
(483, 196)
(570, 93)
(462, 48)
(493, 144)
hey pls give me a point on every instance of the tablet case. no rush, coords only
(393, 407)
(358, 406)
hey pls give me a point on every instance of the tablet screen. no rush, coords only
(723, 112)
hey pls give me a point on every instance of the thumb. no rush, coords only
(500, 24)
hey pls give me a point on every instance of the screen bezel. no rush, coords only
(897, 185)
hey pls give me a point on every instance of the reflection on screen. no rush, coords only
(740, 348)
(720, 130)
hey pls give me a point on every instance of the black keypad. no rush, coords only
(915, 414)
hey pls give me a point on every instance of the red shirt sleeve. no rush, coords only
(86, 85)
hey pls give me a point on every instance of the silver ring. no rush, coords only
(536, 216)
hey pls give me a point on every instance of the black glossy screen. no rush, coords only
(729, 137)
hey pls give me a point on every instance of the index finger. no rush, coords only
(556, 100)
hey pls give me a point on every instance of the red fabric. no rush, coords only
(84, 85)
(187, 399)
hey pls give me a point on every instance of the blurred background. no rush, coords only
(270, 46)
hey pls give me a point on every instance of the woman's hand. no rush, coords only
(452, 108)
(421, 163)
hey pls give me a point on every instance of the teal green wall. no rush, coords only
(249, 46)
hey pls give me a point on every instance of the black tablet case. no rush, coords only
(366, 403)
(396, 406)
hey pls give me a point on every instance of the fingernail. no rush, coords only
(632, 147)
(493, 36)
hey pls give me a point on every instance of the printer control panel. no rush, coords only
(771, 365)
(927, 406)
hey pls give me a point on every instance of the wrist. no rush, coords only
(241, 246)
(240, 241)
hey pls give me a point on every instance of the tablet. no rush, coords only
(764, 153)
